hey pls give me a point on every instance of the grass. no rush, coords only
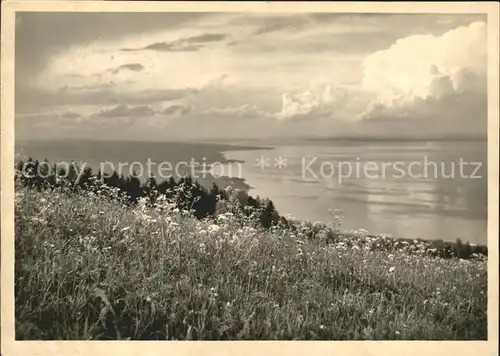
(88, 267)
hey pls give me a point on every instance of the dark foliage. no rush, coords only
(190, 194)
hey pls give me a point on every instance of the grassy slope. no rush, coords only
(89, 268)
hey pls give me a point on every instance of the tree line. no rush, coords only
(187, 193)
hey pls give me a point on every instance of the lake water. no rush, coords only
(388, 190)
(407, 200)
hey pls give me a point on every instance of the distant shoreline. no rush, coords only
(374, 139)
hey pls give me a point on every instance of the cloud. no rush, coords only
(126, 111)
(298, 105)
(176, 109)
(140, 111)
(134, 67)
(188, 44)
(37, 99)
(278, 23)
(448, 83)
(207, 37)
(322, 100)
(244, 111)
(42, 35)
(70, 115)
(270, 74)
(169, 47)
(66, 115)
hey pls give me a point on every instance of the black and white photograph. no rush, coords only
(250, 175)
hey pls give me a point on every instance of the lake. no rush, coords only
(382, 187)
(401, 199)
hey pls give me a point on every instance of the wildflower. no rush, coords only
(39, 220)
(253, 268)
(213, 228)
(392, 269)
(213, 293)
(322, 327)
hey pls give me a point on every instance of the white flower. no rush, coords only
(221, 217)
(214, 228)
(392, 269)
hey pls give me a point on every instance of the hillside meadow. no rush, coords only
(90, 266)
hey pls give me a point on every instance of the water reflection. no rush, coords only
(431, 206)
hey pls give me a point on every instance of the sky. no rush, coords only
(164, 76)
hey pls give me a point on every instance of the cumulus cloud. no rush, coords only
(321, 101)
(426, 76)
(299, 104)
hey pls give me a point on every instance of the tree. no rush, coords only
(269, 215)
(151, 189)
